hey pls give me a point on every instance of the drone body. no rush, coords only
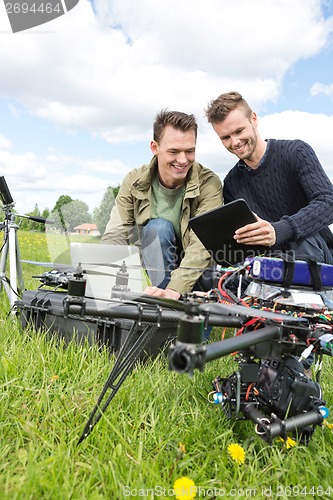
(283, 337)
(279, 327)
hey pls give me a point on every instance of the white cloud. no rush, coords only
(41, 180)
(111, 73)
(315, 129)
(4, 142)
(321, 88)
(291, 124)
(220, 35)
(33, 179)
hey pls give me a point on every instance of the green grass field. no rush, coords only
(160, 426)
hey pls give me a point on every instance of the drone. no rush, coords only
(281, 314)
(285, 331)
(279, 310)
(282, 325)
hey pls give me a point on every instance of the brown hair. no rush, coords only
(176, 119)
(218, 109)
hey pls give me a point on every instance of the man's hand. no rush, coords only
(159, 292)
(258, 233)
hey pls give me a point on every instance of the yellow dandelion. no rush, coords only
(54, 377)
(237, 453)
(329, 426)
(184, 489)
(290, 443)
(181, 448)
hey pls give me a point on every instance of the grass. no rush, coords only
(159, 427)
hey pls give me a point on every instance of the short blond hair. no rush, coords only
(218, 109)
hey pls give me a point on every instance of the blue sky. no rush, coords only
(78, 95)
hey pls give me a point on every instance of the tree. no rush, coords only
(46, 213)
(62, 200)
(101, 214)
(30, 225)
(68, 213)
(57, 215)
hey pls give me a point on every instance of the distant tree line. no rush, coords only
(101, 215)
(68, 213)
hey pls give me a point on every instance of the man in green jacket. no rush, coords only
(159, 199)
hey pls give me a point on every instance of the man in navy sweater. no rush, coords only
(282, 181)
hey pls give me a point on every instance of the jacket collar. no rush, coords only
(143, 182)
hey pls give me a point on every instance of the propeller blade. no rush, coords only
(138, 266)
(58, 265)
(135, 297)
(54, 265)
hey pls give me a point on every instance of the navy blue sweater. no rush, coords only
(289, 189)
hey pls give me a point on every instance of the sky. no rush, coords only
(78, 95)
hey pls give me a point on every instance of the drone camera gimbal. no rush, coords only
(274, 339)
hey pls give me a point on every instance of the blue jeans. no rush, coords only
(314, 247)
(161, 253)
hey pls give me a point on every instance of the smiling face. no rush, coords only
(239, 135)
(175, 152)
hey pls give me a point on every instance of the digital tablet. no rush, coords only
(216, 228)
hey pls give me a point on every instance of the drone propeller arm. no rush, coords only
(36, 218)
(227, 346)
(184, 358)
(150, 315)
(132, 312)
(42, 220)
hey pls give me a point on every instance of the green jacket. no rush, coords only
(132, 207)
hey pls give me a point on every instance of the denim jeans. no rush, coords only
(161, 253)
(314, 247)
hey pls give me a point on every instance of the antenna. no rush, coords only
(5, 195)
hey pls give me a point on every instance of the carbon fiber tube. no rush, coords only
(184, 358)
(227, 346)
(296, 423)
(279, 427)
(151, 316)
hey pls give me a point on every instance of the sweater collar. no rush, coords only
(243, 166)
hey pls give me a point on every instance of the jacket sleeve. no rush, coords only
(196, 258)
(120, 226)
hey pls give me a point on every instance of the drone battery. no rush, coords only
(274, 270)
